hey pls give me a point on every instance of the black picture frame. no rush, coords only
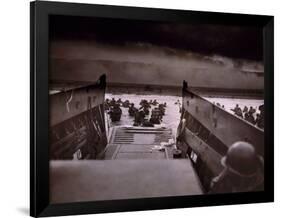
(39, 119)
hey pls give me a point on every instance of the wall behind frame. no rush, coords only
(14, 110)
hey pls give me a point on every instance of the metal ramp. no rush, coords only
(139, 143)
(96, 180)
(135, 135)
(132, 169)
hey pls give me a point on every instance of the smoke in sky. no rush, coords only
(144, 63)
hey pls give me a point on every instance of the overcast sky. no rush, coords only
(146, 52)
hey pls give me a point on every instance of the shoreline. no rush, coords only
(116, 88)
(177, 91)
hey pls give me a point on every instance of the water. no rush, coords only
(172, 115)
(230, 103)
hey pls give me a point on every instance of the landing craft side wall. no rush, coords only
(65, 105)
(77, 122)
(207, 161)
(225, 126)
(199, 147)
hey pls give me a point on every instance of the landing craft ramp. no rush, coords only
(95, 180)
(136, 166)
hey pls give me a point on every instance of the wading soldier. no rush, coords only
(238, 111)
(132, 110)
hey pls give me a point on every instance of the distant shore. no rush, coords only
(177, 91)
(117, 88)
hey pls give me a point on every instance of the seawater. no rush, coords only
(172, 115)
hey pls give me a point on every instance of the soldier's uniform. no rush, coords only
(115, 113)
(132, 110)
(243, 171)
(139, 118)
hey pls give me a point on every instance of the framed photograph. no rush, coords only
(141, 109)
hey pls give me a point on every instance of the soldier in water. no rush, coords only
(238, 111)
(126, 104)
(139, 118)
(115, 113)
(252, 110)
(245, 110)
(132, 110)
(260, 117)
(250, 117)
(161, 107)
(119, 101)
(156, 116)
(112, 102)
(243, 170)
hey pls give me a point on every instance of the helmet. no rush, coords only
(242, 159)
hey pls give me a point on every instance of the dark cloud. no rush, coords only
(232, 41)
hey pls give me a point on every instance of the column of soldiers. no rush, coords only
(248, 114)
(157, 112)
(139, 115)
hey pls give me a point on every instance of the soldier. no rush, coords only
(237, 111)
(250, 117)
(236, 108)
(142, 102)
(119, 101)
(261, 109)
(146, 110)
(145, 107)
(245, 110)
(260, 117)
(259, 121)
(112, 102)
(157, 112)
(145, 103)
(132, 110)
(243, 170)
(155, 102)
(155, 117)
(162, 109)
(252, 110)
(139, 117)
(126, 104)
(115, 113)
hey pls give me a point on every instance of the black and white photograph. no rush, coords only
(143, 109)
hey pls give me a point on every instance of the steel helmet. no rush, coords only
(242, 159)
